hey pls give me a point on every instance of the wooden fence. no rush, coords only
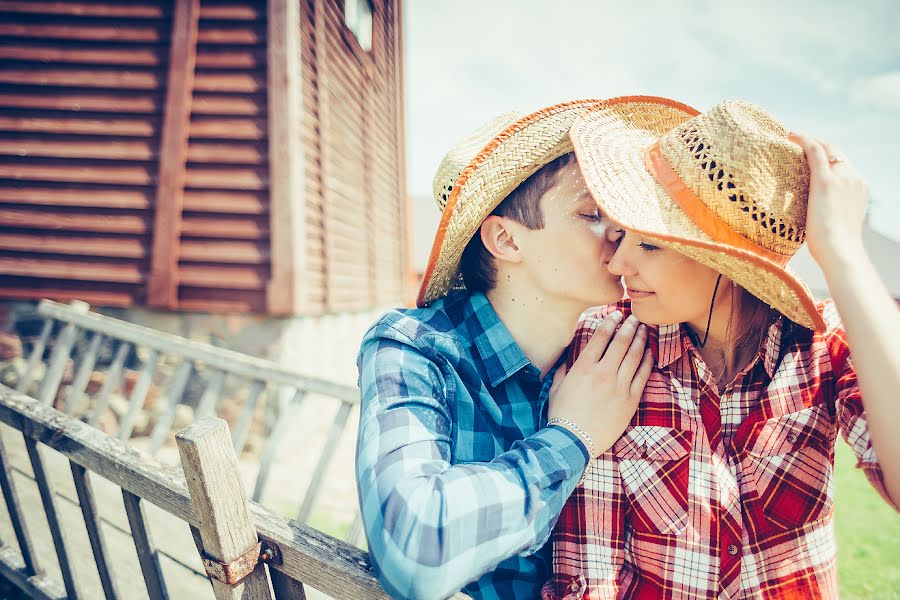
(168, 362)
(212, 501)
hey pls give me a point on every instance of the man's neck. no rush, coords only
(541, 328)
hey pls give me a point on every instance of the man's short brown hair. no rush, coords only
(522, 205)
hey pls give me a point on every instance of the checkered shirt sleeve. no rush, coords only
(433, 526)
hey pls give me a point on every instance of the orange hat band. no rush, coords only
(703, 216)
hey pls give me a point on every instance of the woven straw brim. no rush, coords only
(610, 144)
(510, 158)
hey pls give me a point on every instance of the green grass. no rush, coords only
(868, 534)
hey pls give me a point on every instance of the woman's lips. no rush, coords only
(638, 294)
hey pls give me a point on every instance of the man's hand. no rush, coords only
(600, 393)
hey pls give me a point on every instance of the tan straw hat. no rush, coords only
(483, 169)
(726, 188)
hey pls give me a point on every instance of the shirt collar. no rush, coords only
(673, 339)
(669, 345)
(501, 355)
(770, 348)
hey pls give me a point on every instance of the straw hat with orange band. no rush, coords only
(726, 188)
(482, 170)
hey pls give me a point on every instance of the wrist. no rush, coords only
(577, 431)
(839, 257)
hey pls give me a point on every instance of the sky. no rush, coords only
(827, 68)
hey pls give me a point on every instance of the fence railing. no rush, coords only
(242, 543)
(167, 363)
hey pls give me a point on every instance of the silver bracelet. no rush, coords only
(578, 431)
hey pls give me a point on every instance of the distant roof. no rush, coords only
(885, 255)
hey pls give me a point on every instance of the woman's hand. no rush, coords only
(837, 205)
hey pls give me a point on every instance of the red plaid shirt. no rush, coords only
(710, 495)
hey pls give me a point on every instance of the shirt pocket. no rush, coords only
(789, 467)
(654, 466)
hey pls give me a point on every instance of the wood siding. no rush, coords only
(356, 216)
(83, 100)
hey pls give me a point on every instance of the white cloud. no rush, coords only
(826, 68)
(880, 92)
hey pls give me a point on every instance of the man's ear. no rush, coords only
(498, 237)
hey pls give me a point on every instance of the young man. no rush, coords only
(460, 477)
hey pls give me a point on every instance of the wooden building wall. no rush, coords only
(107, 197)
(356, 213)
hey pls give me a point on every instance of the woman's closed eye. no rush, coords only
(647, 247)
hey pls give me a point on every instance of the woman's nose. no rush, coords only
(618, 265)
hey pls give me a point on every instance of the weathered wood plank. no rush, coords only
(92, 522)
(321, 561)
(13, 569)
(220, 504)
(138, 395)
(242, 428)
(171, 397)
(59, 356)
(162, 283)
(210, 396)
(30, 564)
(37, 355)
(85, 369)
(113, 378)
(146, 550)
(219, 358)
(56, 530)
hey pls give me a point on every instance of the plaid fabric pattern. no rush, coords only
(710, 495)
(459, 482)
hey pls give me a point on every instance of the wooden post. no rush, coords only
(287, 189)
(162, 283)
(220, 504)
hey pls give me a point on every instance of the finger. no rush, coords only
(642, 374)
(614, 354)
(815, 153)
(558, 378)
(596, 346)
(633, 357)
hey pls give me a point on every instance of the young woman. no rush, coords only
(722, 486)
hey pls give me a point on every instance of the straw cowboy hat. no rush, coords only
(726, 188)
(483, 169)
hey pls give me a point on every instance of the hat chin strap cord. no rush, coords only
(711, 305)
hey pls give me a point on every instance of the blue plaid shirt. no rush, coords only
(460, 483)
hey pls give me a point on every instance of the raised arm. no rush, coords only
(870, 316)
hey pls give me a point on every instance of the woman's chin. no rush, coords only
(647, 315)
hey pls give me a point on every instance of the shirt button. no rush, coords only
(792, 438)
(732, 549)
